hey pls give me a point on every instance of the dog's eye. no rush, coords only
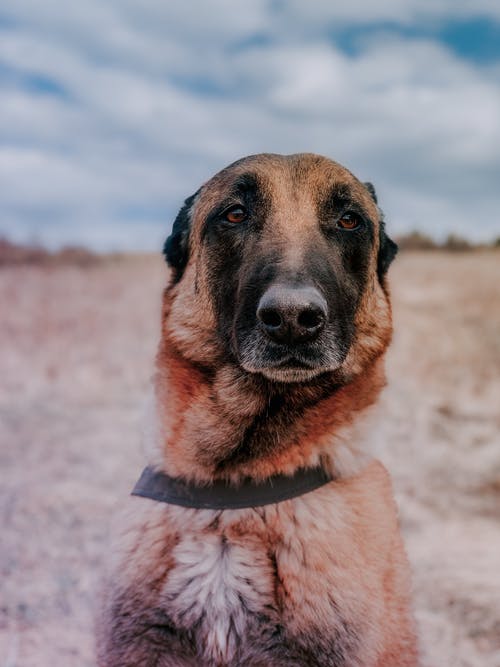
(349, 221)
(236, 214)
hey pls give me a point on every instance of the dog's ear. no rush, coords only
(387, 248)
(176, 247)
(386, 252)
(371, 190)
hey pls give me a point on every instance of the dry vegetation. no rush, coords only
(36, 255)
(76, 353)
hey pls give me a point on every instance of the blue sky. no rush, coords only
(113, 112)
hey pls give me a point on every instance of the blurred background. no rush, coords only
(111, 114)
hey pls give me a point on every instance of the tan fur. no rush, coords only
(327, 569)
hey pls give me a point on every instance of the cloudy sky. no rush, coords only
(113, 111)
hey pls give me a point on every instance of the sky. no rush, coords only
(112, 112)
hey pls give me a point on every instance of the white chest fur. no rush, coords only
(215, 586)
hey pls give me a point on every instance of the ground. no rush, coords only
(76, 355)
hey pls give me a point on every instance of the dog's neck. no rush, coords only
(232, 424)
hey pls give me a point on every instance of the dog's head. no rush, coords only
(278, 264)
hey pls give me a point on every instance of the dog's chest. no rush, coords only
(217, 589)
(245, 597)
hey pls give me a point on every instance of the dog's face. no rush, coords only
(279, 263)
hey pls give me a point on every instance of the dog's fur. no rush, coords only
(321, 579)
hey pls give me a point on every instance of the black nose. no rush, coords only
(292, 315)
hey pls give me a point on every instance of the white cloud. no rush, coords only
(136, 129)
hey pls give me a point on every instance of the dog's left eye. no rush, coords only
(236, 214)
(349, 220)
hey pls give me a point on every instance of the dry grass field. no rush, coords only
(76, 354)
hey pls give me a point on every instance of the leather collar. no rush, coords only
(221, 495)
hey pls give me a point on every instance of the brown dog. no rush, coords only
(274, 329)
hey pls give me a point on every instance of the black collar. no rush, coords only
(222, 495)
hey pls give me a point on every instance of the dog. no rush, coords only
(275, 323)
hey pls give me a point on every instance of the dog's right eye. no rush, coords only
(235, 214)
(349, 221)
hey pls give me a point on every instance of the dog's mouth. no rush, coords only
(290, 373)
(291, 369)
(292, 362)
(290, 366)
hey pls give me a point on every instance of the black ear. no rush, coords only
(387, 248)
(176, 248)
(371, 190)
(386, 253)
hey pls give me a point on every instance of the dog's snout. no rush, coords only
(292, 315)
